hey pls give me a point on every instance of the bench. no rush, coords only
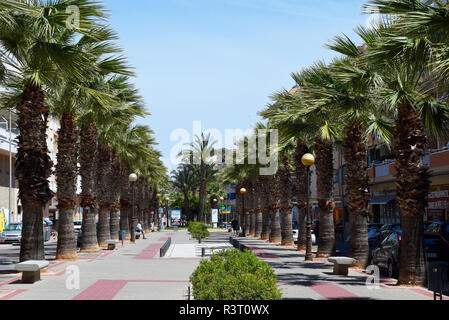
(111, 244)
(341, 264)
(31, 270)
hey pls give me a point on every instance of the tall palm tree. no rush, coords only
(413, 62)
(70, 99)
(200, 151)
(286, 230)
(25, 42)
(183, 181)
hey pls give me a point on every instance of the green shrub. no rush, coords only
(234, 275)
(197, 230)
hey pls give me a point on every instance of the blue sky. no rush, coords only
(218, 61)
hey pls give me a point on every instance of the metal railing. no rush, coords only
(165, 247)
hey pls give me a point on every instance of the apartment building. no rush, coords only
(384, 207)
(9, 188)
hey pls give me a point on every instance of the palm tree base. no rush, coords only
(264, 238)
(275, 240)
(92, 250)
(287, 243)
(67, 256)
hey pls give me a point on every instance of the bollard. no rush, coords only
(203, 252)
(199, 240)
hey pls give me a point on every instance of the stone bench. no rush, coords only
(341, 264)
(111, 244)
(31, 270)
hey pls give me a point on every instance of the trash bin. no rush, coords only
(122, 235)
(438, 277)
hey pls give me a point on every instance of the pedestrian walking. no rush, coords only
(235, 226)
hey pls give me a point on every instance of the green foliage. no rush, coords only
(234, 275)
(197, 230)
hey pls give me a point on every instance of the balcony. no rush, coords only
(434, 159)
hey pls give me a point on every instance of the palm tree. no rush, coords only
(285, 174)
(71, 97)
(200, 152)
(25, 41)
(412, 58)
(183, 181)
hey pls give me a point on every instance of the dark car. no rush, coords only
(436, 242)
(382, 233)
(387, 255)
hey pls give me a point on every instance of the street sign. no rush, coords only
(226, 212)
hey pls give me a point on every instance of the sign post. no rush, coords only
(215, 217)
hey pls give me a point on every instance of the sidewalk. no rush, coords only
(131, 272)
(298, 279)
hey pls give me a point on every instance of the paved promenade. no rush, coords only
(298, 279)
(136, 272)
(131, 272)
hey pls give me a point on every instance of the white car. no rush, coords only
(295, 235)
(77, 225)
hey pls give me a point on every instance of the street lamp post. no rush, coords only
(221, 212)
(243, 192)
(308, 160)
(133, 179)
(166, 210)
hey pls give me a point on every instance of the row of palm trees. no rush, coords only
(75, 72)
(393, 87)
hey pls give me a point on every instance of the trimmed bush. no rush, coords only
(234, 275)
(197, 230)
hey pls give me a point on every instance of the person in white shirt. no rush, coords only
(140, 229)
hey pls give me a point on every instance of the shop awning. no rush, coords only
(382, 200)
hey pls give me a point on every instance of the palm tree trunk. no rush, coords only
(67, 174)
(202, 191)
(412, 181)
(33, 167)
(301, 189)
(285, 195)
(275, 232)
(325, 179)
(104, 194)
(357, 193)
(115, 197)
(125, 203)
(88, 158)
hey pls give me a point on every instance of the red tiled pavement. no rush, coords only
(102, 290)
(13, 294)
(329, 290)
(149, 252)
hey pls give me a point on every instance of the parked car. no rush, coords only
(387, 255)
(77, 225)
(296, 232)
(382, 233)
(436, 242)
(12, 233)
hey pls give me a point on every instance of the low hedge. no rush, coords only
(197, 230)
(234, 275)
